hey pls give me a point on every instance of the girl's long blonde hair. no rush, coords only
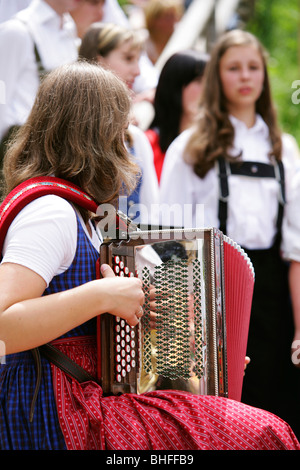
(214, 133)
(75, 131)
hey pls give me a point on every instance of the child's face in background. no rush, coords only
(241, 71)
(124, 62)
(191, 95)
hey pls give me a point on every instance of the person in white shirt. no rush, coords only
(86, 13)
(145, 83)
(47, 25)
(225, 172)
(8, 8)
(114, 13)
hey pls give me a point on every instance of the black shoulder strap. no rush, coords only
(223, 171)
(41, 69)
(251, 169)
(279, 173)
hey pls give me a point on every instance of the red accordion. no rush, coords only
(203, 285)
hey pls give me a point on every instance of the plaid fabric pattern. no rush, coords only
(18, 376)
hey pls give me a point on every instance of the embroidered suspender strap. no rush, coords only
(252, 169)
(33, 188)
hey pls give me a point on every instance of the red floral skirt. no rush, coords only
(160, 420)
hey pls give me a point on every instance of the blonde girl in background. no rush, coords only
(239, 165)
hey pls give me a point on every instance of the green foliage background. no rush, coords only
(277, 24)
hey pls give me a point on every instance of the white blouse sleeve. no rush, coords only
(177, 187)
(43, 237)
(291, 224)
(170, 190)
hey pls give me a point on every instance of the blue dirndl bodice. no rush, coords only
(18, 375)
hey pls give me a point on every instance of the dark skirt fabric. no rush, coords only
(17, 385)
(272, 381)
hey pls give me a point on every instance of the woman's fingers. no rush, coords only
(127, 296)
(107, 271)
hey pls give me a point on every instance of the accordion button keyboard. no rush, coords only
(124, 336)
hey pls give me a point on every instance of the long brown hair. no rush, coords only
(214, 133)
(75, 131)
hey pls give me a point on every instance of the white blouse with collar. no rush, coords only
(189, 201)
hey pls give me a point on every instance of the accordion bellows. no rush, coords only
(197, 339)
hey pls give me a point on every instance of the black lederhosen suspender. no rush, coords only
(252, 169)
(41, 70)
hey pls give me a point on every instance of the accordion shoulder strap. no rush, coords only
(34, 188)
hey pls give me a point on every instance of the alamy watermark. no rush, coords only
(296, 352)
(296, 94)
(185, 216)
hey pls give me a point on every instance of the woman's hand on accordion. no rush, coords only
(125, 296)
